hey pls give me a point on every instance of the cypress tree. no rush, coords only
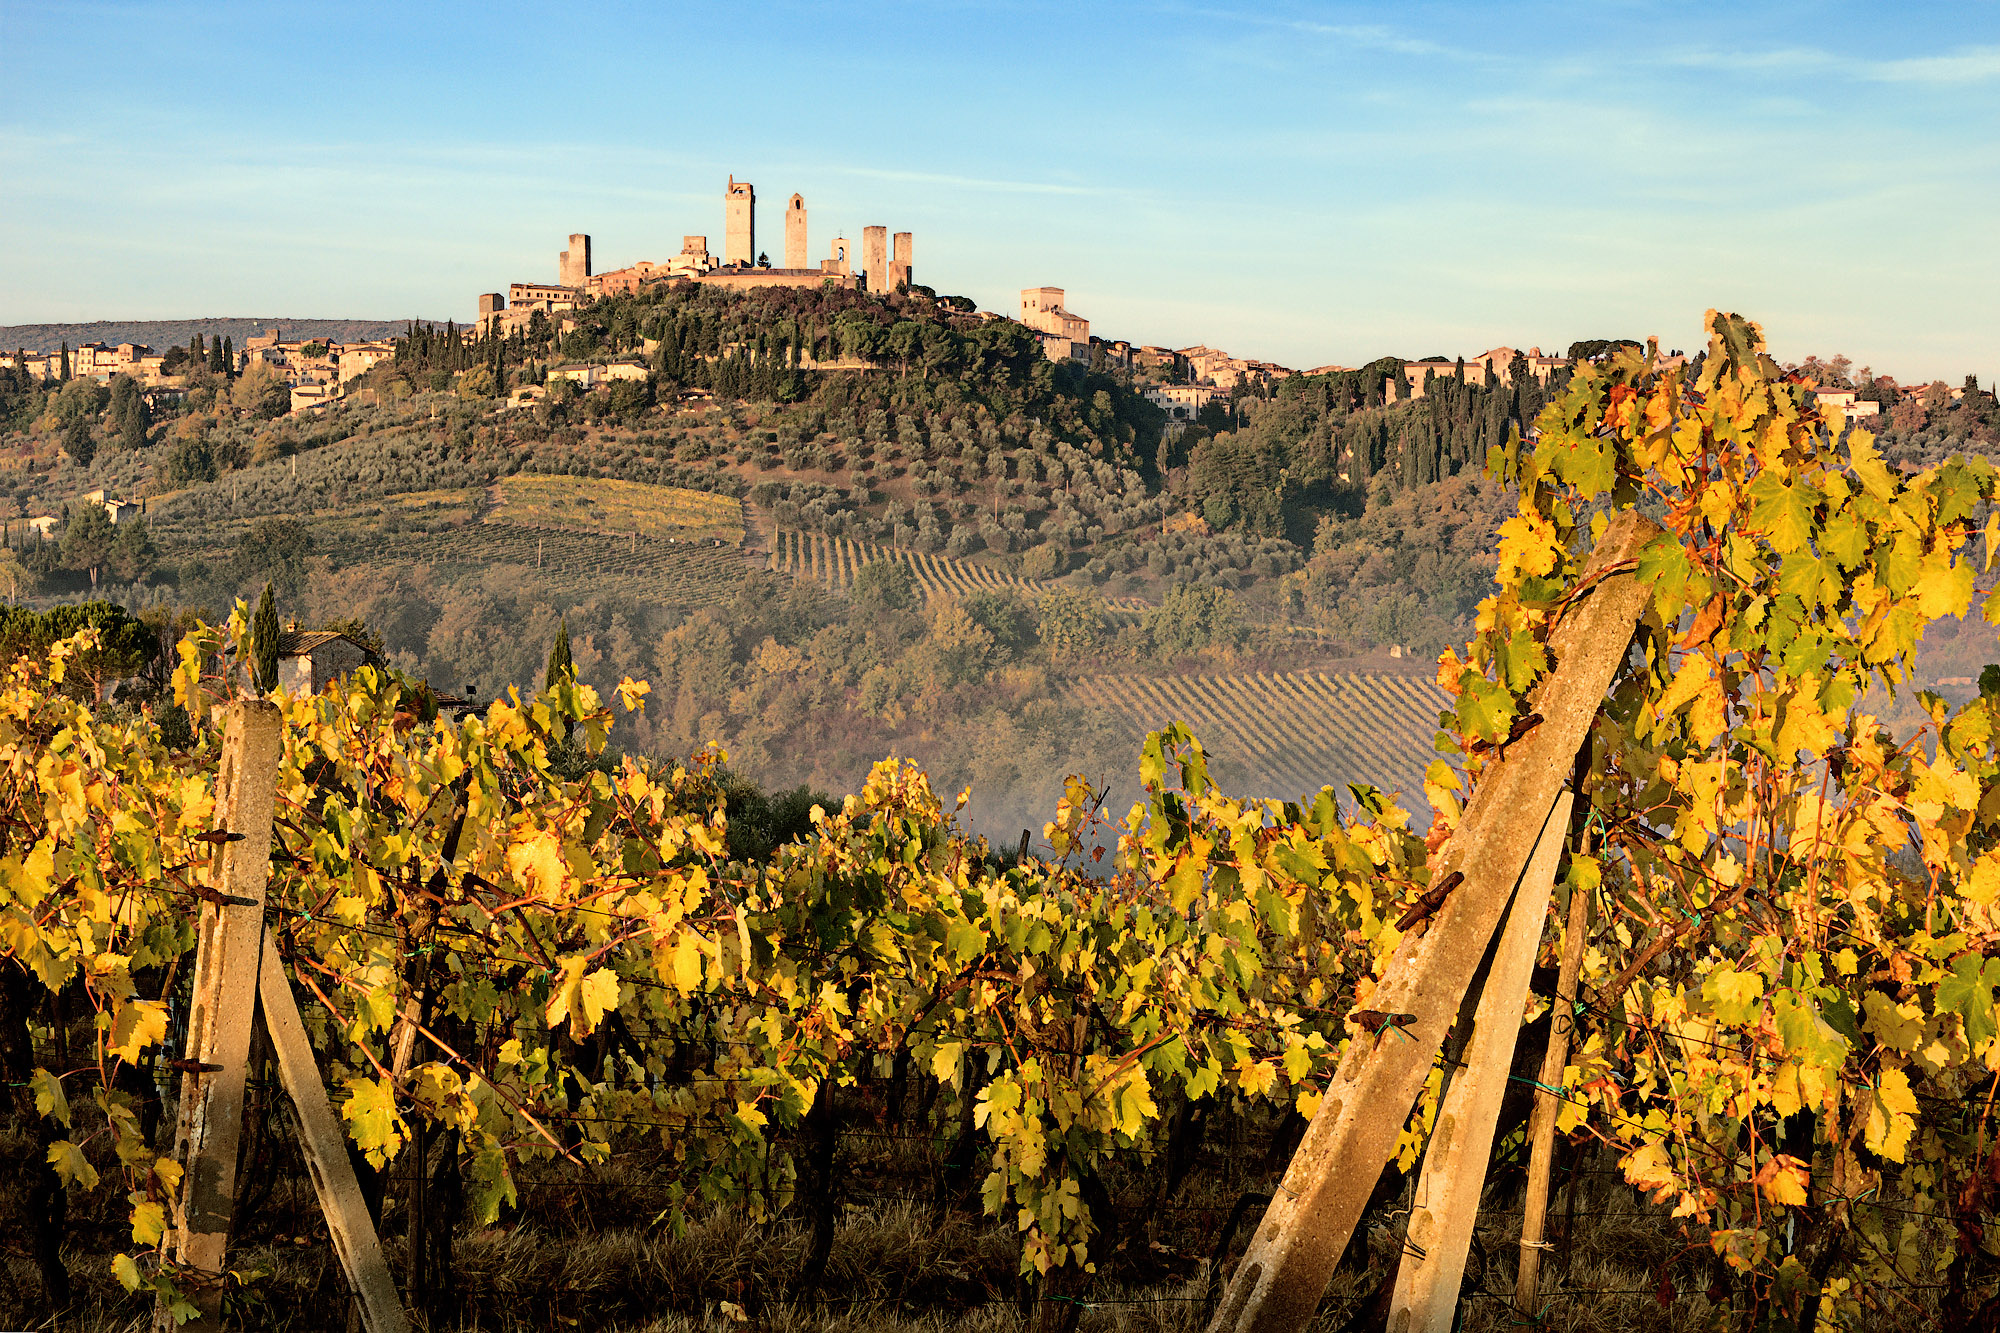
(561, 667)
(264, 641)
(229, 357)
(65, 361)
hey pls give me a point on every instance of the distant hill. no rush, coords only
(161, 334)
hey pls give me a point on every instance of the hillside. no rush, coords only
(161, 334)
(962, 552)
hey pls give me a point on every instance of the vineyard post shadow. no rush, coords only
(1283, 1275)
(237, 972)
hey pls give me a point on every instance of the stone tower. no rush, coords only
(840, 258)
(574, 264)
(875, 257)
(899, 262)
(739, 232)
(795, 234)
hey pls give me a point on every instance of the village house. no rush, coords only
(1065, 336)
(115, 509)
(1181, 402)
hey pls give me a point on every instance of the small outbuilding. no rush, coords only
(311, 659)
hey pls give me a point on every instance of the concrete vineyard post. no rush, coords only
(1281, 1279)
(325, 1147)
(229, 940)
(1454, 1173)
(1542, 1123)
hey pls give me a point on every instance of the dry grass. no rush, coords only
(599, 504)
(587, 1250)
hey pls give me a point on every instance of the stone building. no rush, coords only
(899, 262)
(115, 509)
(573, 264)
(1493, 366)
(694, 258)
(1181, 402)
(875, 258)
(310, 660)
(1065, 337)
(739, 206)
(795, 234)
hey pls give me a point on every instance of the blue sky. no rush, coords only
(1306, 183)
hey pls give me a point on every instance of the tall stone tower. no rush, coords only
(875, 257)
(739, 232)
(795, 234)
(899, 263)
(573, 266)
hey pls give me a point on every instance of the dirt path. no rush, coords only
(760, 538)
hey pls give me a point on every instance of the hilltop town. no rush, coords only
(318, 371)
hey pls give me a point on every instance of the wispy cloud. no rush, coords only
(995, 185)
(1971, 64)
(1785, 59)
(1360, 36)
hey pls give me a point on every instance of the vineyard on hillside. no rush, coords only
(1291, 732)
(834, 561)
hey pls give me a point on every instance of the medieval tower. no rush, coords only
(573, 264)
(875, 257)
(899, 261)
(795, 234)
(740, 224)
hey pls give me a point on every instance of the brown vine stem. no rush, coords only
(436, 1041)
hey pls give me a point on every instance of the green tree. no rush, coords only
(561, 667)
(1192, 617)
(65, 361)
(127, 645)
(79, 443)
(133, 554)
(264, 633)
(274, 550)
(1070, 622)
(88, 541)
(885, 585)
(129, 412)
(190, 461)
(263, 391)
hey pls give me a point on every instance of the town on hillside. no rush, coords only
(317, 372)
